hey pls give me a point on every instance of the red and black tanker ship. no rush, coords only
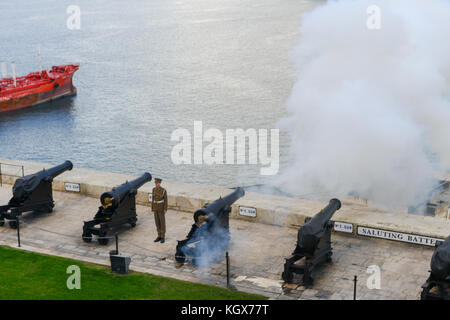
(37, 87)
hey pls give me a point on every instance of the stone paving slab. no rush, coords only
(257, 253)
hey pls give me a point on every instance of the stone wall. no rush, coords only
(270, 209)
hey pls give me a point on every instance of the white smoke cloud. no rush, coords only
(370, 109)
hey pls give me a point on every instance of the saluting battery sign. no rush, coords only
(398, 236)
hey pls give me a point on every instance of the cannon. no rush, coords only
(118, 206)
(437, 286)
(32, 193)
(209, 236)
(313, 244)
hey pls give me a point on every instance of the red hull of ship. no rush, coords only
(37, 88)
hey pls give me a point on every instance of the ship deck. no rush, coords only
(35, 79)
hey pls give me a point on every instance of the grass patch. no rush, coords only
(29, 275)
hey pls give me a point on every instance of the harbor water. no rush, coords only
(147, 69)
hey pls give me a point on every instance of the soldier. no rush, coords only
(159, 208)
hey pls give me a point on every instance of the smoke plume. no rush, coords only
(370, 108)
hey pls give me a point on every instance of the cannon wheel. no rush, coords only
(101, 238)
(44, 209)
(13, 224)
(87, 237)
(308, 280)
(180, 257)
(195, 261)
(132, 222)
(48, 208)
(287, 277)
(423, 295)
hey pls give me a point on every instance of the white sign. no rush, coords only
(247, 211)
(150, 197)
(343, 227)
(74, 187)
(397, 236)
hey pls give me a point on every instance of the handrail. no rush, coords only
(12, 165)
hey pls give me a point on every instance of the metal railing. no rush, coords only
(17, 171)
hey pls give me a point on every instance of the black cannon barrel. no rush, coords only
(57, 170)
(121, 191)
(49, 173)
(215, 207)
(311, 232)
(326, 213)
(440, 261)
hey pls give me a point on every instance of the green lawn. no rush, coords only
(28, 275)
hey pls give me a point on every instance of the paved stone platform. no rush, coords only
(257, 253)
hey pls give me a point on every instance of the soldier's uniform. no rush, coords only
(159, 206)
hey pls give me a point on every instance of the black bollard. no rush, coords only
(228, 269)
(355, 280)
(117, 243)
(18, 230)
(115, 252)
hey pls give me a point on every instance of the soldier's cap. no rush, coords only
(158, 180)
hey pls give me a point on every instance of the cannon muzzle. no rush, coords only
(116, 195)
(326, 213)
(57, 170)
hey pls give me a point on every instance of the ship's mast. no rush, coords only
(3, 69)
(40, 59)
(13, 71)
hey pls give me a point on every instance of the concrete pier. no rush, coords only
(269, 209)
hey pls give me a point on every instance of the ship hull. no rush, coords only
(32, 99)
(56, 88)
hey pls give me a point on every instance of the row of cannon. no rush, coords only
(33, 193)
(209, 236)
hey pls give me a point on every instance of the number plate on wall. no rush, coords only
(247, 211)
(72, 187)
